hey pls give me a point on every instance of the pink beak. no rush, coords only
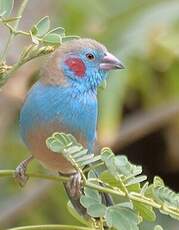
(110, 62)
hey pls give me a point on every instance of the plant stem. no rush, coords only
(51, 227)
(3, 57)
(20, 12)
(104, 189)
(10, 173)
(133, 196)
(12, 34)
(21, 61)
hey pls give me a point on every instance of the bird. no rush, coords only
(64, 99)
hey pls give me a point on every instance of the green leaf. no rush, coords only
(123, 165)
(121, 218)
(96, 210)
(71, 149)
(163, 194)
(87, 201)
(136, 169)
(144, 188)
(158, 181)
(125, 205)
(54, 145)
(52, 38)
(158, 227)
(128, 212)
(91, 160)
(69, 38)
(92, 174)
(108, 178)
(34, 30)
(89, 192)
(74, 149)
(61, 137)
(166, 195)
(150, 191)
(59, 30)
(92, 202)
(83, 158)
(145, 211)
(120, 167)
(134, 187)
(81, 153)
(43, 26)
(72, 139)
(6, 7)
(108, 157)
(136, 180)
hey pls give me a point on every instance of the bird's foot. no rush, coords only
(20, 172)
(74, 185)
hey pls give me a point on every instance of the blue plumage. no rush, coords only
(64, 99)
(65, 106)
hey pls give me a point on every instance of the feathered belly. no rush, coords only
(36, 142)
(50, 109)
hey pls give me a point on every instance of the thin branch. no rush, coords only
(3, 57)
(20, 12)
(14, 31)
(22, 60)
(51, 227)
(10, 173)
(11, 36)
(114, 191)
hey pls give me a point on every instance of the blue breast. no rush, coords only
(65, 105)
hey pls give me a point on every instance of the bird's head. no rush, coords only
(80, 62)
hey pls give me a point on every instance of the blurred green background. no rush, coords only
(139, 109)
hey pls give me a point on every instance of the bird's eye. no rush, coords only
(90, 56)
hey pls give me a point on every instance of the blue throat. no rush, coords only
(87, 83)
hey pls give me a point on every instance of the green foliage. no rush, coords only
(120, 177)
(44, 40)
(144, 210)
(158, 227)
(41, 27)
(92, 200)
(121, 218)
(52, 38)
(67, 145)
(41, 32)
(68, 38)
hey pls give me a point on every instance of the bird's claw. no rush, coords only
(20, 175)
(74, 185)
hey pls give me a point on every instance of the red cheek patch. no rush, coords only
(77, 66)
